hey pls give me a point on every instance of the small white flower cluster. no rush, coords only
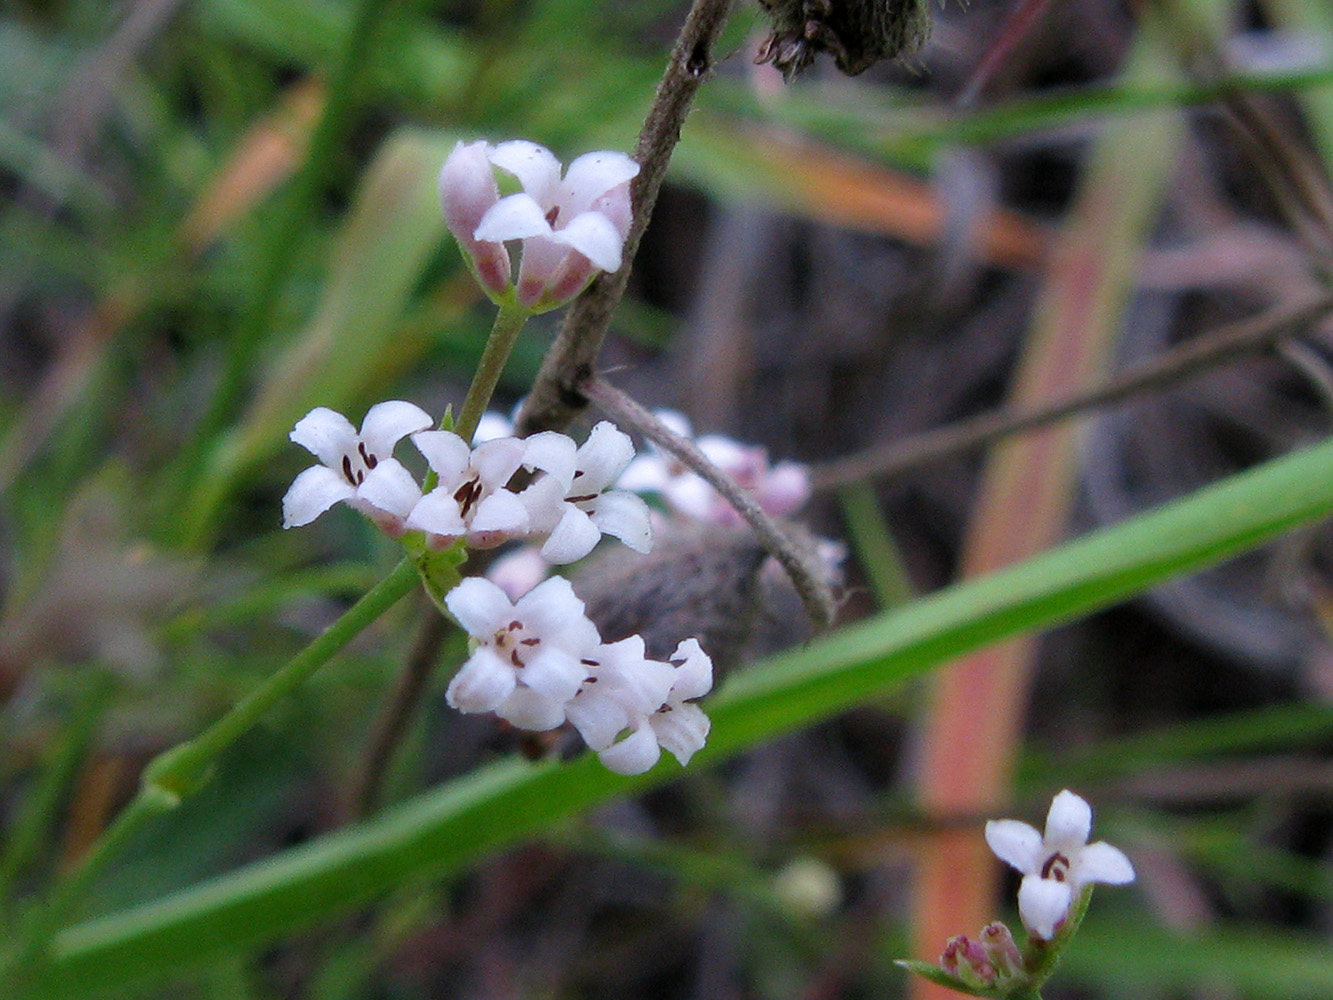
(538, 662)
(780, 489)
(569, 228)
(566, 509)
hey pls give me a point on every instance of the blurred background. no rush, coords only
(219, 214)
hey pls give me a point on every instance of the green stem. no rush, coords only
(178, 772)
(508, 322)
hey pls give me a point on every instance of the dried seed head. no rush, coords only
(857, 33)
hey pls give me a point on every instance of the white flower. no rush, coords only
(470, 500)
(779, 489)
(358, 468)
(570, 227)
(571, 504)
(528, 656)
(1058, 864)
(677, 725)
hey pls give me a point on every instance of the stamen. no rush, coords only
(347, 471)
(552, 215)
(582, 499)
(370, 460)
(1056, 867)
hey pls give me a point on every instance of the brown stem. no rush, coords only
(808, 579)
(557, 395)
(1196, 356)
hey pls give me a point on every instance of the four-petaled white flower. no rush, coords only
(358, 468)
(571, 504)
(529, 656)
(471, 500)
(1058, 864)
(570, 227)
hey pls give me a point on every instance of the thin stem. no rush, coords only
(177, 773)
(809, 581)
(557, 395)
(508, 322)
(1196, 356)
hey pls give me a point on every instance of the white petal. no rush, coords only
(624, 515)
(595, 236)
(1043, 903)
(602, 458)
(640, 685)
(573, 537)
(483, 684)
(592, 175)
(694, 675)
(555, 673)
(518, 572)
(1017, 844)
(553, 611)
(552, 453)
(500, 514)
(389, 422)
(1100, 862)
(437, 514)
(635, 754)
(545, 501)
(480, 607)
(447, 453)
(496, 461)
(492, 426)
(784, 489)
(326, 434)
(535, 166)
(312, 493)
(516, 217)
(531, 710)
(598, 719)
(682, 730)
(390, 487)
(1068, 823)
(646, 474)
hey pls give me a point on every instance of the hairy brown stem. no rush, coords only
(557, 396)
(808, 579)
(1196, 356)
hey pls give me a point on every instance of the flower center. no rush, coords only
(1056, 867)
(468, 496)
(356, 474)
(514, 641)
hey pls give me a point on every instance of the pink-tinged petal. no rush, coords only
(635, 754)
(567, 281)
(483, 684)
(624, 515)
(437, 514)
(554, 672)
(542, 261)
(592, 175)
(531, 710)
(602, 458)
(447, 453)
(552, 453)
(593, 235)
(312, 493)
(326, 434)
(573, 537)
(1043, 903)
(388, 423)
(694, 671)
(518, 572)
(682, 730)
(480, 607)
(499, 518)
(497, 461)
(1100, 862)
(516, 217)
(467, 188)
(1068, 823)
(390, 487)
(598, 719)
(1017, 844)
(617, 207)
(535, 166)
(785, 489)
